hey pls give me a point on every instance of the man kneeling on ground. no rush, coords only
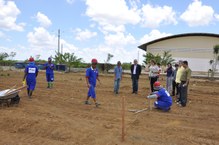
(164, 100)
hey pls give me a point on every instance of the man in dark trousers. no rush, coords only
(135, 73)
(185, 77)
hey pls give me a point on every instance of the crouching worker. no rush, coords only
(164, 100)
(30, 74)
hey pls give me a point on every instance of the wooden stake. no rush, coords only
(123, 118)
(139, 111)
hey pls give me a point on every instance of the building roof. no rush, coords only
(144, 46)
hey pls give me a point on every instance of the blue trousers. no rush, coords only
(49, 77)
(116, 85)
(31, 84)
(162, 105)
(91, 92)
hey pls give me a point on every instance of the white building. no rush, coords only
(196, 48)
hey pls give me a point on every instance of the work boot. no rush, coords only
(87, 102)
(97, 104)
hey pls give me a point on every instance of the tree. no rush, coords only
(58, 58)
(12, 55)
(3, 56)
(163, 60)
(107, 64)
(126, 65)
(71, 60)
(149, 56)
(215, 60)
(166, 58)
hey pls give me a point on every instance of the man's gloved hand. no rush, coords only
(24, 83)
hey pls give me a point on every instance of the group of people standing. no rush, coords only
(177, 79)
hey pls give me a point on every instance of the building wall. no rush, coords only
(189, 46)
(198, 50)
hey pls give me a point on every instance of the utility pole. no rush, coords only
(61, 48)
(58, 41)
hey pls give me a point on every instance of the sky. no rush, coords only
(94, 28)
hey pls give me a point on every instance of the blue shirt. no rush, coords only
(31, 70)
(164, 96)
(118, 72)
(92, 75)
(49, 68)
(169, 72)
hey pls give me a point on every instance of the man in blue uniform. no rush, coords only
(164, 100)
(91, 77)
(49, 73)
(30, 74)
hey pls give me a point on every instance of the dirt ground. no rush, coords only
(58, 116)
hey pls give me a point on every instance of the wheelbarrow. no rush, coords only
(8, 94)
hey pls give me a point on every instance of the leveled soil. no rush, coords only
(58, 116)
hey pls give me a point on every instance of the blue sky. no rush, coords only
(93, 28)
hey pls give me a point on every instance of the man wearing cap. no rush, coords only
(91, 77)
(164, 100)
(49, 72)
(30, 74)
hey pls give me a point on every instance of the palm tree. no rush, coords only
(108, 66)
(71, 60)
(149, 56)
(166, 58)
(59, 58)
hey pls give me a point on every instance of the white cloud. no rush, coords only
(43, 20)
(41, 38)
(153, 16)
(154, 34)
(114, 12)
(119, 39)
(70, 1)
(42, 42)
(217, 16)
(198, 14)
(106, 28)
(84, 34)
(100, 52)
(8, 16)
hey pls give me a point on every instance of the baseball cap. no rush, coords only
(94, 60)
(31, 59)
(157, 85)
(49, 58)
